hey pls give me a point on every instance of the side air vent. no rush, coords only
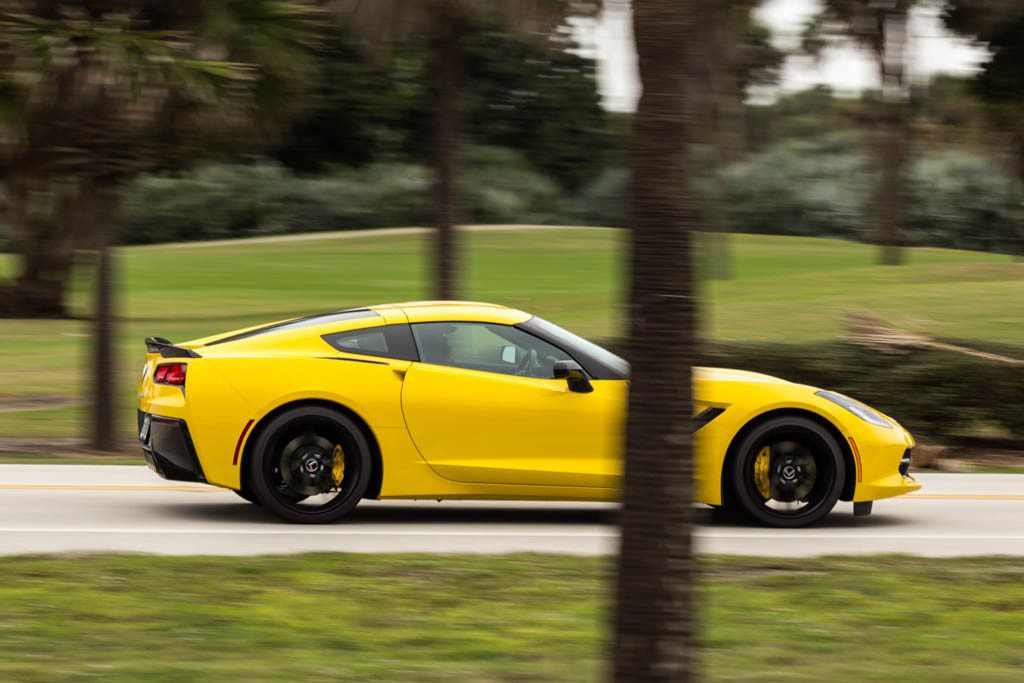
(704, 417)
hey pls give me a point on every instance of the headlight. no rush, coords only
(857, 408)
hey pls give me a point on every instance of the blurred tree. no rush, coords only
(445, 26)
(95, 92)
(358, 111)
(999, 24)
(881, 27)
(656, 614)
(534, 94)
(736, 52)
(538, 96)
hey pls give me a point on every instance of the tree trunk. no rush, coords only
(655, 616)
(893, 131)
(45, 247)
(1017, 239)
(99, 207)
(716, 76)
(447, 136)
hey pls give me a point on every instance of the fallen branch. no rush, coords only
(866, 330)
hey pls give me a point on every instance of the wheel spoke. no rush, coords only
(786, 475)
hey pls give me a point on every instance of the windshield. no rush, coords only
(570, 341)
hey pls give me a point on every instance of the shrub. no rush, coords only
(934, 393)
(963, 200)
(819, 188)
(503, 188)
(604, 201)
(238, 200)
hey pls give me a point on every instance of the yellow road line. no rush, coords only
(213, 489)
(84, 487)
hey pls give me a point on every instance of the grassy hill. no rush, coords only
(785, 289)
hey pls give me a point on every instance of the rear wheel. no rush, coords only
(310, 466)
(788, 472)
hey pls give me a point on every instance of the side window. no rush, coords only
(487, 347)
(387, 341)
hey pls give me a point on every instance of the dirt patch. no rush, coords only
(68, 446)
(10, 403)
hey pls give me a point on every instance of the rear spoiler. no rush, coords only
(168, 350)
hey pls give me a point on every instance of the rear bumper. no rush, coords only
(168, 448)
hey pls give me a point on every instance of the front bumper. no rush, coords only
(884, 471)
(168, 448)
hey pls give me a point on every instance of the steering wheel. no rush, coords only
(526, 363)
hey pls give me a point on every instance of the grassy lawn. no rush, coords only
(785, 289)
(512, 618)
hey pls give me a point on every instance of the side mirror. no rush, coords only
(571, 372)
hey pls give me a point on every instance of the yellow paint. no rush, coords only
(464, 434)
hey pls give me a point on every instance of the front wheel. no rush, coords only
(310, 466)
(788, 472)
(246, 494)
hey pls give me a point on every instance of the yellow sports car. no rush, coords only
(457, 400)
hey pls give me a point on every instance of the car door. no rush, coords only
(482, 406)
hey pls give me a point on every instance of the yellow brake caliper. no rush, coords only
(761, 466)
(338, 469)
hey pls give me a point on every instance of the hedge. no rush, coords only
(934, 393)
(263, 197)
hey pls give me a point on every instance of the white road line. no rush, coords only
(711, 535)
(305, 532)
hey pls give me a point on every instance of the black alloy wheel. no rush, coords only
(310, 466)
(788, 472)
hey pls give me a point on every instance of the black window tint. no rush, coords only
(387, 341)
(370, 342)
(598, 362)
(487, 347)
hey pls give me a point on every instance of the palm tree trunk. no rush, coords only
(655, 615)
(893, 131)
(717, 68)
(447, 137)
(890, 197)
(98, 207)
(1017, 239)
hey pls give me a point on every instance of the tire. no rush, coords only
(803, 472)
(290, 469)
(246, 494)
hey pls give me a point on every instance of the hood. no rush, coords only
(728, 375)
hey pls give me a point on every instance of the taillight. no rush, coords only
(171, 373)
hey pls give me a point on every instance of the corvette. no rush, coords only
(460, 400)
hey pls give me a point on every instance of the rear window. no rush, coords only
(309, 321)
(386, 341)
(370, 342)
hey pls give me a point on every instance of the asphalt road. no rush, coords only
(76, 508)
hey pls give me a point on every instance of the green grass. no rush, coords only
(785, 289)
(508, 618)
